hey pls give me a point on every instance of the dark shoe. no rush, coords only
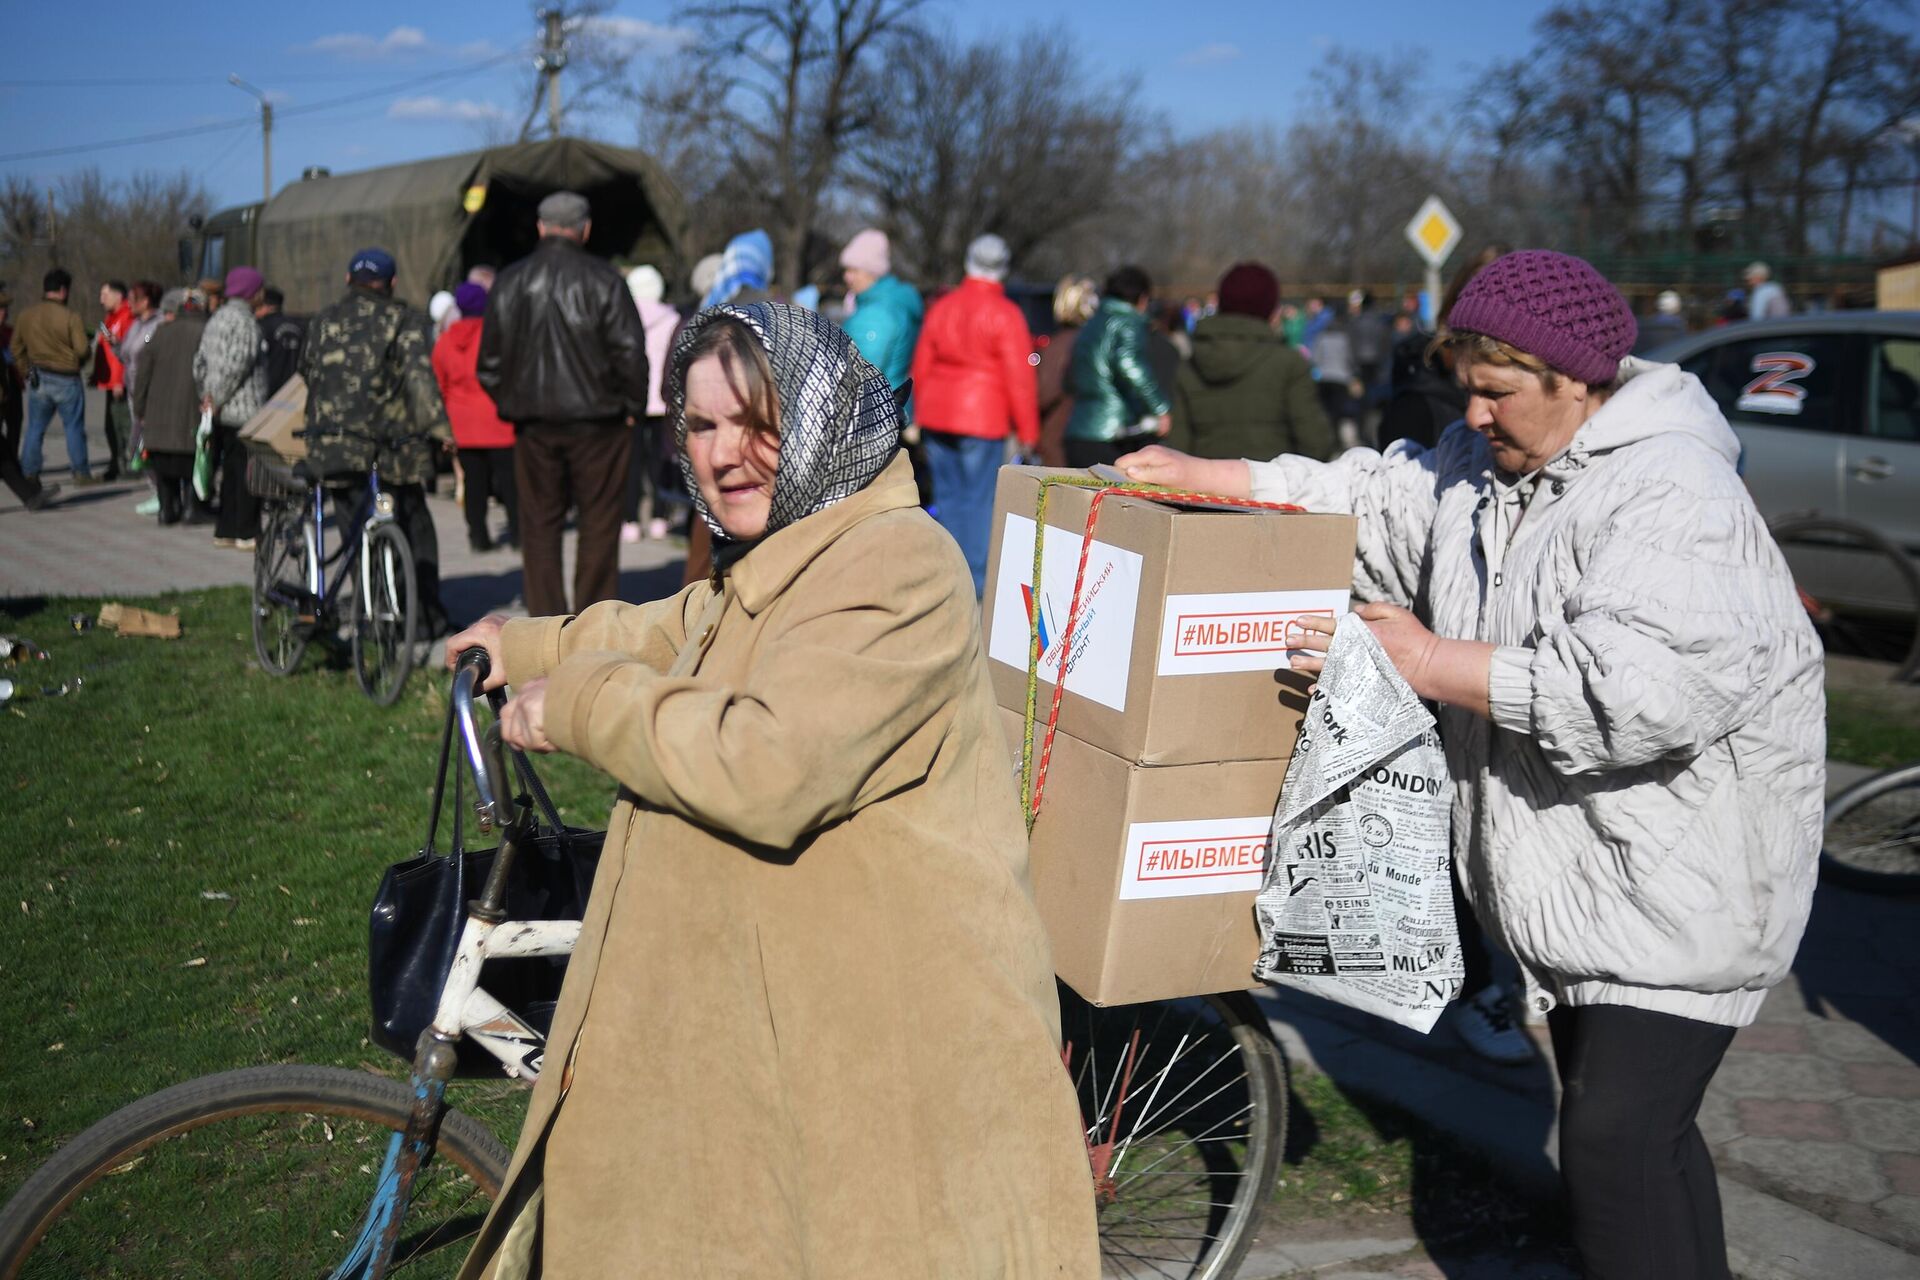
(480, 545)
(200, 517)
(85, 482)
(110, 476)
(44, 498)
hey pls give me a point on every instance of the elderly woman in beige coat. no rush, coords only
(811, 1027)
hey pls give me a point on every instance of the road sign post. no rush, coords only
(1434, 233)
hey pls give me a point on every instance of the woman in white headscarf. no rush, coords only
(810, 1028)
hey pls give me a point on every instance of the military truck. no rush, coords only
(440, 217)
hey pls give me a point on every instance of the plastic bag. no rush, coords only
(203, 457)
(1358, 901)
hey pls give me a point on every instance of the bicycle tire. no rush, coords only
(386, 616)
(1871, 840)
(1787, 528)
(280, 633)
(1233, 1130)
(120, 1142)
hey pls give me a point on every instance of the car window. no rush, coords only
(1791, 380)
(1895, 390)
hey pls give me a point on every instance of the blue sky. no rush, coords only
(131, 70)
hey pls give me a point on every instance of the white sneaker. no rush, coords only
(1485, 1025)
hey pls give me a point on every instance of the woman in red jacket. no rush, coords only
(973, 382)
(485, 440)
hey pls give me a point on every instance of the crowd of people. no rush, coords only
(1554, 548)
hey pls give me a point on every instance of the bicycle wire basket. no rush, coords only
(271, 476)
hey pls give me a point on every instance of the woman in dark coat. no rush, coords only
(1246, 392)
(166, 402)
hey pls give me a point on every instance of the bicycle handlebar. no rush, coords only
(494, 805)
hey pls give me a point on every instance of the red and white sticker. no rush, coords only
(1777, 389)
(1201, 856)
(1238, 631)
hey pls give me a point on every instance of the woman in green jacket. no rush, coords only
(1118, 405)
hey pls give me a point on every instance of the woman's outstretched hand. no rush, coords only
(523, 722)
(1157, 464)
(484, 634)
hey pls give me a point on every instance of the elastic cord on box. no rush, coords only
(1033, 782)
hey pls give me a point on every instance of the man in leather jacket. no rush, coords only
(564, 356)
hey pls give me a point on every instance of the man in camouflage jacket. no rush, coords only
(371, 394)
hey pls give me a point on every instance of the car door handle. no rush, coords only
(1872, 469)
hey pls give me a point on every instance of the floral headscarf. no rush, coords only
(840, 422)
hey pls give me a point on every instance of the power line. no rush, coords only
(190, 131)
(164, 136)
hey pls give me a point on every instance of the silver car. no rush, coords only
(1827, 408)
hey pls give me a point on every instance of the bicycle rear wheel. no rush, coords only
(282, 606)
(1185, 1107)
(261, 1172)
(386, 615)
(1872, 839)
(1896, 642)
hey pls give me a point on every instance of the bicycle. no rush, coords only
(293, 598)
(1872, 836)
(1853, 634)
(1184, 1107)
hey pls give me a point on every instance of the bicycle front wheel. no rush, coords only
(1872, 839)
(263, 1172)
(386, 615)
(1185, 1107)
(283, 609)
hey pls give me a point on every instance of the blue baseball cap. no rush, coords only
(371, 264)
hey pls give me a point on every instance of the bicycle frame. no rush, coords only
(466, 1008)
(374, 511)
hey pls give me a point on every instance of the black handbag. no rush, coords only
(421, 909)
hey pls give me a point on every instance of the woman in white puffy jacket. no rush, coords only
(1632, 709)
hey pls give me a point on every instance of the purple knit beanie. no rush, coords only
(470, 299)
(1551, 305)
(243, 282)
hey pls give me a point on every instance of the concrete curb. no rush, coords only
(1767, 1238)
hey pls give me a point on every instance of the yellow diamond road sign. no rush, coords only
(1434, 232)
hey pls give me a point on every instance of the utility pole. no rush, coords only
(551, 61)
(266, 135)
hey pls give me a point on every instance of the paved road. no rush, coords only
(91, 543)
(1814, 1118)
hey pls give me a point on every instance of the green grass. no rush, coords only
(1873, 730)
(191, 850)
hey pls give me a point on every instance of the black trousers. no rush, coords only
(646, 468)
(239, 509)
(489, 474)
(1639, 1176)
(119, 424)
(173, 484)
(24, 486)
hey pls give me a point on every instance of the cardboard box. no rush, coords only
(1180, 646)
(284, 413)
(1145, 875)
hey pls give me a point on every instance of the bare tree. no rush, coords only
(97, 229)
(985, 138)
(798, 80)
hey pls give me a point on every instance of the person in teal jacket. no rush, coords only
(1118, 405)
(885, 322)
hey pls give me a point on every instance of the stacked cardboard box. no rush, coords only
(1176, 725)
